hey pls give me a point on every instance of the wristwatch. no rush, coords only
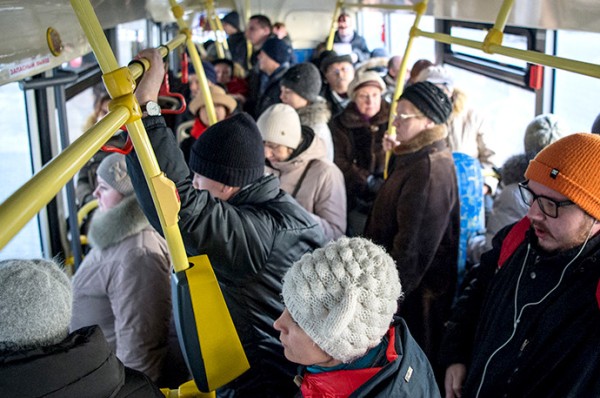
(151, 108)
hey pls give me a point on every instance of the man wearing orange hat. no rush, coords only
(529, 322)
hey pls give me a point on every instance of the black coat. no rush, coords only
(259, 101)
(554, 351)
(251, 241)
(82, 365)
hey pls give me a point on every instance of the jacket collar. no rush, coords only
(424, 138)
(112, 226)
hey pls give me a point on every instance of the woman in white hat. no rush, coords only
(339, 324)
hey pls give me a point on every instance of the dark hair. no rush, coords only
(263, 21)
(225, 61)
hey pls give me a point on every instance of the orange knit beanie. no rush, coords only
(570, 166)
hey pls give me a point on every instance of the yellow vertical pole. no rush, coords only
(496, 34)
(193, 51)
(338, 7)
(221, 32)
(249, 47)
(120, 85)
(212, 16)
(419, 9)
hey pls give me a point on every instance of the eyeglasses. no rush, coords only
(547, 205)
(404, 116)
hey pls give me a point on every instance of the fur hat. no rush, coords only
(36, 304)
(233, 19)
(329, 58)
(219, 97)
(230, 152)
(430, 100)
(280, 124)
(277, 50)
(438, 75)
(343, 296)
(113, 170)
(367, 78)
(304, 79)
(570, 166)
(542, 131)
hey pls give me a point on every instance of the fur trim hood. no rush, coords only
(112, 226)
(316, 112)
(424, 138)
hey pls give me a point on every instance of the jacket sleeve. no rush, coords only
(457, 343)
(423, 207)
(354, 176)
(140, 297)
(330, 202)
(208, 225)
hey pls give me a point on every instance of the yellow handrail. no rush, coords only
(193, 51)
(31, 197)
(336, 12)
(583, 68)
(212, 16)
(419, 9)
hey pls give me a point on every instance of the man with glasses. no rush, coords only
(416, 214)
(529, 322)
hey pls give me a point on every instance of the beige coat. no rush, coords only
(123, 285)
(322, 192)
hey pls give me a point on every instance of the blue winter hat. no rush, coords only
(278, 50)
(209, 71)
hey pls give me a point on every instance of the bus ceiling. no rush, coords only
(39, 35)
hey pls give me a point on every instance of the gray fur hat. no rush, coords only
(343, 296)
(113, 170)
(36, 304)
(542, 131)
(304, 79)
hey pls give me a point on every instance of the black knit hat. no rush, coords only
(430, 100)
(304, 79)
(277, 50)
(331, 57)
(230, 152)
(233, 19)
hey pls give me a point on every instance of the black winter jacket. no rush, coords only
(553, 351)
(251, 241)
(82, 365)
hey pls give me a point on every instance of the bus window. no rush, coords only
(399, 27)
(133, 38)
(15, 165)
(508, 110)
(576, 97)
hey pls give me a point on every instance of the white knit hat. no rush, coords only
(438, 75)
(35, 309)
(113, 170)
(343, 296)
(280, 124)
